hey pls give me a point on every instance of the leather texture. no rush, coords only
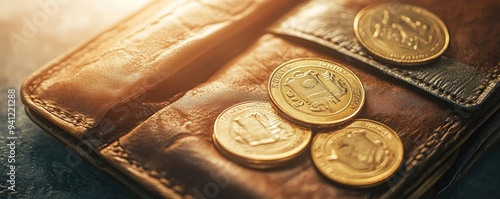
(145, 94)
(464, 85)
(133, 56)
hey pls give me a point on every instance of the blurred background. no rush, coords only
(33, 32)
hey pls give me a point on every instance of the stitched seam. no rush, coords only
(468, 101)
(432, 141)
(75, 119)
(62, 113)
(160, 176)
(66, 115)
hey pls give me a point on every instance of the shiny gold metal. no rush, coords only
(253, 134)
(362, 154)
(401, 34)
(316, 92)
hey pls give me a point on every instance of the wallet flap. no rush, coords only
(171, 152)
(468, 86)
(78, 89)
(173, 149)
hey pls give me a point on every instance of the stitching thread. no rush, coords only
(430, 144)
(160, 176)
(63, 113)
(79, 119)
(468, 101)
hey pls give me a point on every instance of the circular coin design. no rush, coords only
(401, 34)
(316, 92)
(253, 134)
(363, 153)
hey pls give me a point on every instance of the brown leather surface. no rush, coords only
(447, 78)
(181, 132)
(78, 89)
(184, 135)
(171, 153)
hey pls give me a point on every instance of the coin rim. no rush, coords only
(249, 162)
(314, 123)
(259, 162)
(365, 182)
(391, 60)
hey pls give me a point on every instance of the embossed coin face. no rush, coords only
(316, 92)
(401, 34)
(363, 153)
(253, 134)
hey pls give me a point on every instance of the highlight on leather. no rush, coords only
(76, 90)
(170, 152)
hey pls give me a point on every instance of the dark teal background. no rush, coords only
(483, 180)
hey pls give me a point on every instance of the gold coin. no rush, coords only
(316, 92)
(253, 134)
(401, 34)
(363, 153)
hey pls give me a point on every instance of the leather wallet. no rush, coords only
(139, 101)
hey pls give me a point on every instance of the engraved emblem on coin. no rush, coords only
(356, 150)
(363, 153)
(403, 31)
(253, 134)
(259, 129)
(401, 34)
(310, 88)
(316, 92)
